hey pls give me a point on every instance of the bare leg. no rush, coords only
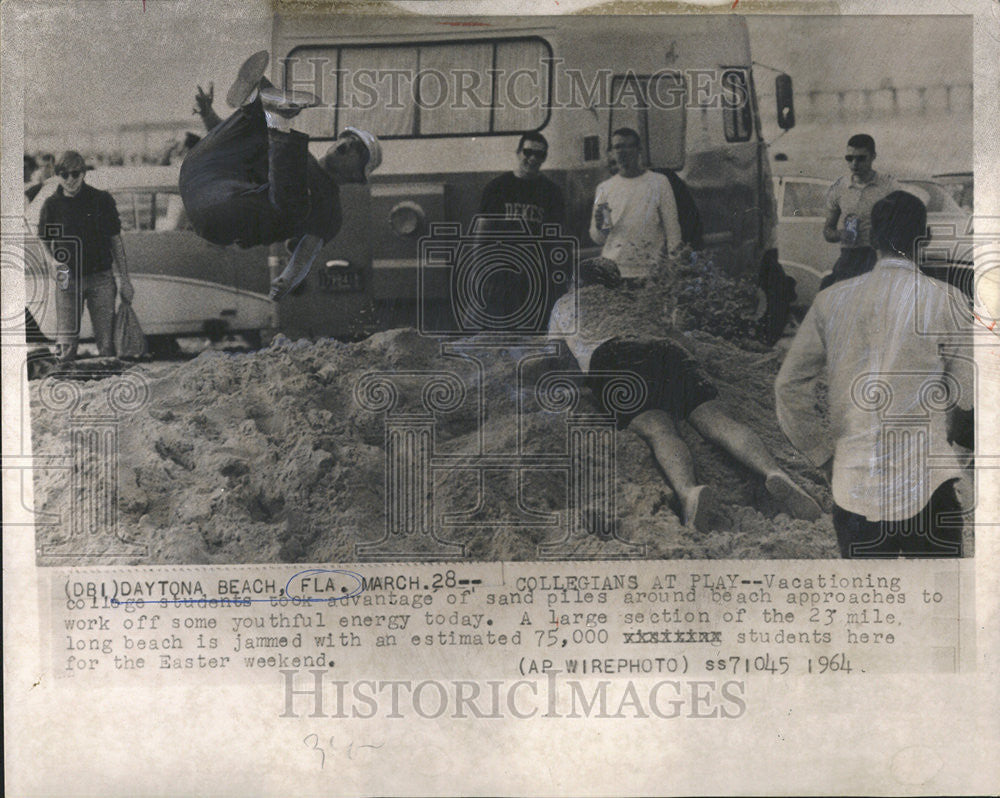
(712, 421)
(657, 428)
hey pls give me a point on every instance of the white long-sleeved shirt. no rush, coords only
(644, 221)
(896, 347)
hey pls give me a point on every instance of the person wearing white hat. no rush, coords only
(252, 181)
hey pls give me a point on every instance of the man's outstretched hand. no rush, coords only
(203, 100)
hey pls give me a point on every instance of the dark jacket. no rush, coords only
(78, 230)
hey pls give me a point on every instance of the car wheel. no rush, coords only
(252, 338)
(163, 346)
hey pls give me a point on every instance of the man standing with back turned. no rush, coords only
(899, 388)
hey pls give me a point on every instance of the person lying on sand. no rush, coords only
(676, 390)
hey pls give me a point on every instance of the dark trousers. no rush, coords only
(852, 262)
(98, 291)
(245, 183)
(936, 531)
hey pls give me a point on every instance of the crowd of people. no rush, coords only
(251, 180)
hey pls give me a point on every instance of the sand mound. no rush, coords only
(268, 456)
(271, 456)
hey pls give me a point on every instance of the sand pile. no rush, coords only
(269, 457)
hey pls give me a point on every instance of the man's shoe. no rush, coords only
(287, 103)
(247, 79)
(298, 266)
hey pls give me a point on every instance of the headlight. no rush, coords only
(407, 219)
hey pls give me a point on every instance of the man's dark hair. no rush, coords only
(532, 135)
(69, 160)
(627, 132)
(30, 165)
(898, 222)
(862, 141)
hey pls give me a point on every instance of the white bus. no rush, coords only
(450, 98)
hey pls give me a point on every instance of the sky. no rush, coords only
(97, 63)
(100, 62)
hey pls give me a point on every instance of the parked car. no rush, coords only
(184, 285)
(808, 257)
(961, 186)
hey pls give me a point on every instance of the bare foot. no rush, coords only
(797, 502)
(698, 504)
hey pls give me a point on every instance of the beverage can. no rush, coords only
(851, 229)
(604, 217)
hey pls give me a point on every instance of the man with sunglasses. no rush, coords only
(81, 222)
(849, 203)
(252, 180)
(528, 195)
(635, 214)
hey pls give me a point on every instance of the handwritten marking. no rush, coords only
(991, 326)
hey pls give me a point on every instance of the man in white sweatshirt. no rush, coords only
(635, 214)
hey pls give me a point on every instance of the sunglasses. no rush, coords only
(853, 158)
(540, 154)
(73, 173)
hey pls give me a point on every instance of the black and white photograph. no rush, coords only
(572, 398)
(508, 290)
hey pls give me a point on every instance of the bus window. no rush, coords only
(392, 115)
(653, 106)
(471, 115)
(414, 90)
(521, 57)
(737, 113)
